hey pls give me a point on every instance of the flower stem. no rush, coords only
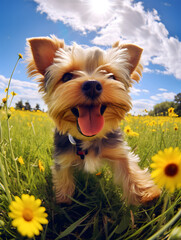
(8, 127)
(11, 101)
(10, 80)
(5, 181)
(169, 224)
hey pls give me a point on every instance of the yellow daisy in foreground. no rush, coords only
(28, 215)
(167, 168)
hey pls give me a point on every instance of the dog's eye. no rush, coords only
(112, 77)
(67, 77)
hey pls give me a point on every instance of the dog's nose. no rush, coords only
(92, 89)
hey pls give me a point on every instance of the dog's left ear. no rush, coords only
(134, 53)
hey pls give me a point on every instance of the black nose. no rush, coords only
(92, 89)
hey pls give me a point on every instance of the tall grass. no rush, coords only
(97, 210)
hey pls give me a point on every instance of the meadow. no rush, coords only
(97, 210)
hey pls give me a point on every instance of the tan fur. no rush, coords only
(49, 60)
(136, 183)
(63, 178)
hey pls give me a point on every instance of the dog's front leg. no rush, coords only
(63, 178)
(136, 183)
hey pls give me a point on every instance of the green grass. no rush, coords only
(97, 211)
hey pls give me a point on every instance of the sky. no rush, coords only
(153, 25)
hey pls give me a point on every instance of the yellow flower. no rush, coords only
(12, 109)
(41, 167)
(4, 100)
(127, 129)
(6, 89)
(20, 160)
(167, 168)
(171, 110)
(130, 132)
(20, 55)
(176, 127)
(134, 134)
(13, 93)
(27, 215)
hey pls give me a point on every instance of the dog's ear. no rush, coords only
(43, 52)
(134, 53)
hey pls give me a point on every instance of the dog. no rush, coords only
(86, 90)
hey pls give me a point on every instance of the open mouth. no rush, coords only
(90, 120)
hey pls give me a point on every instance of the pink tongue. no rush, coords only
(90, 120)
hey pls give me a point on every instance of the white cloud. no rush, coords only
(136, 91)
(162, 89)
(121, 20)
(27, 91)
(140, 105)
(15, 84)
(165, 96)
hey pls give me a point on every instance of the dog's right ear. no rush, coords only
(43, 52)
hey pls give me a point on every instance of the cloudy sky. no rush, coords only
(153, 25)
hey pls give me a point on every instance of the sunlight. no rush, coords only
(100, 6)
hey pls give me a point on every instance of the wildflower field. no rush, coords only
(27, 204)
(97, 211)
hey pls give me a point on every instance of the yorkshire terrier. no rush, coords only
(87, 94)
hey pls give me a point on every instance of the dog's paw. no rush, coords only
(150, 194)
(63, 199)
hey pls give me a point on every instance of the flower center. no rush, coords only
(171, 170)
(27, 214)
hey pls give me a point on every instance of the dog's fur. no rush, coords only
(87, 94)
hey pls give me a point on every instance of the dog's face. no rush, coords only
(86, 89)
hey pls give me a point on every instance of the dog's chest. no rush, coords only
(87, 154)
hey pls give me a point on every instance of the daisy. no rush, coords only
(27, 215)
(20, 55)
(127, 129)
(167, 168)
(13, 93)
(4, 100)
(170, 111)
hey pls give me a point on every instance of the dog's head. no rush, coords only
(86, 89)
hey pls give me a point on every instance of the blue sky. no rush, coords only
(153, 25)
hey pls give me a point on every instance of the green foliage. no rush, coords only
(19, 105)
(161, 109)
(177, 100)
